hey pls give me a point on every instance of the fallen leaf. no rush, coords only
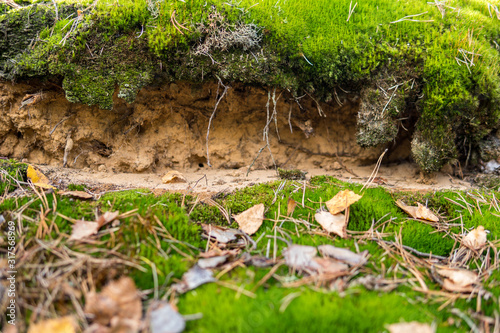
(193, 278)
(222, 235)
(251, 219)
(173, 177)
(459, 280)
(425, 213)
(332, 223)
(165, 319)
(330, 266)
(38, 178)
(420, 212)
(344, 255)
(77, 194)
(107, 217)
(218, 252)
(413, 327)
(58, 325)
(300, 257)
(211, 262)
(83, 229)
(291, 207)
(118, 306)
(476, 238)
(341, 201)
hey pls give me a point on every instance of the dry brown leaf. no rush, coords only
(330, 266)
(476, 238)
(173, 177)
(425, 213)
(300, 257)
(332, 223)
(83, 229)
(344, 255)
(118, 306)
(459, 280)
(38, 178)
(411, 327)
(420, 212)
(251, 219)
(58, 325)
(291, 207)
(341, 201)
(107, 217)
(218, 252)
(77, 194)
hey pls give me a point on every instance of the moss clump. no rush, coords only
(293, 174)
(15, 171)
(489, 148)
(489, 181)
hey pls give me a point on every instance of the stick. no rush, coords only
(212, 116)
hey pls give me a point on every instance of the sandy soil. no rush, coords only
(404, 176)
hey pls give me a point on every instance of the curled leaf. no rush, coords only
(38, 178)
(476, 238)
(118, 306)
(173, 177)
(341, 201)
(332, 223)
(459, 280)
(420, 212)
(344, 255)
(251, 219)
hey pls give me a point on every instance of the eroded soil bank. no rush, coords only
(167, 127)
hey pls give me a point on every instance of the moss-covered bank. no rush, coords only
(435, 65)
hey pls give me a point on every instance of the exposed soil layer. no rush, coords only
(167, 127)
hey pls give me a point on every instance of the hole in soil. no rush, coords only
(201, 165)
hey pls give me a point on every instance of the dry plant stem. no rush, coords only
(213, 115)
(408, 18)
(375, 171)
(238, 289)
(268, 275)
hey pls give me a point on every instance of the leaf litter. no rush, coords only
(335, 270)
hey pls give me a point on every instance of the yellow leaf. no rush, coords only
(341, 201)
(38, 178)
(59, 325)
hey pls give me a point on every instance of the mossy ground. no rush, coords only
(165, 231)
(449, 56)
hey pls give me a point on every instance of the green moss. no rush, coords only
(175, 250)
(291, 174)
